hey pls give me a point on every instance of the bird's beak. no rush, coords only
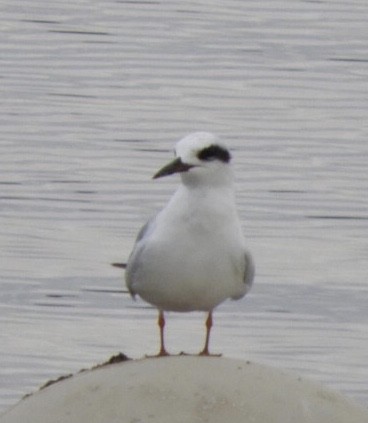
(176, 166)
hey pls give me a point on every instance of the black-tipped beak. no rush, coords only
(176, 166)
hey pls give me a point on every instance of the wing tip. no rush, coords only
(119, 265)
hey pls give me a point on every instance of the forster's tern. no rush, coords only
(192, 255)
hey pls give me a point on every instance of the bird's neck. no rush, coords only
(198, 179)
(203, 202)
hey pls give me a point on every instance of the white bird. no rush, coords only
(192, 255)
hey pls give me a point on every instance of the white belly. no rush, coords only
(191, 256)
(180, 277)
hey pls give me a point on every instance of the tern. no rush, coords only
(191, 256)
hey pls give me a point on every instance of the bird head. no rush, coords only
(199, 158)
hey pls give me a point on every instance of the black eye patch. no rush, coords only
(214, 152)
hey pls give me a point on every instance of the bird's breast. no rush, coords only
(184, 271)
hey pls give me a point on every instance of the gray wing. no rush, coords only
(134, 258)
(145, 228)
(139, 237)
(249, 270)
(246, 269)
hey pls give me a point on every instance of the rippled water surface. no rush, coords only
(94, 95)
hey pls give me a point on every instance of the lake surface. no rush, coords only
(93, 97)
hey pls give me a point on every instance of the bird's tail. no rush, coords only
(119, 265)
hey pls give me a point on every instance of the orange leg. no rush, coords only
(205, 350)
(161, 324)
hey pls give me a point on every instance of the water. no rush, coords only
(93, 97)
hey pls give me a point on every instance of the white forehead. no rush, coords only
(190, 145)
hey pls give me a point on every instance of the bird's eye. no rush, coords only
(214, 152)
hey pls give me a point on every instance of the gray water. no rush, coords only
(93, 97)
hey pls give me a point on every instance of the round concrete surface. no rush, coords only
(185, 389)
